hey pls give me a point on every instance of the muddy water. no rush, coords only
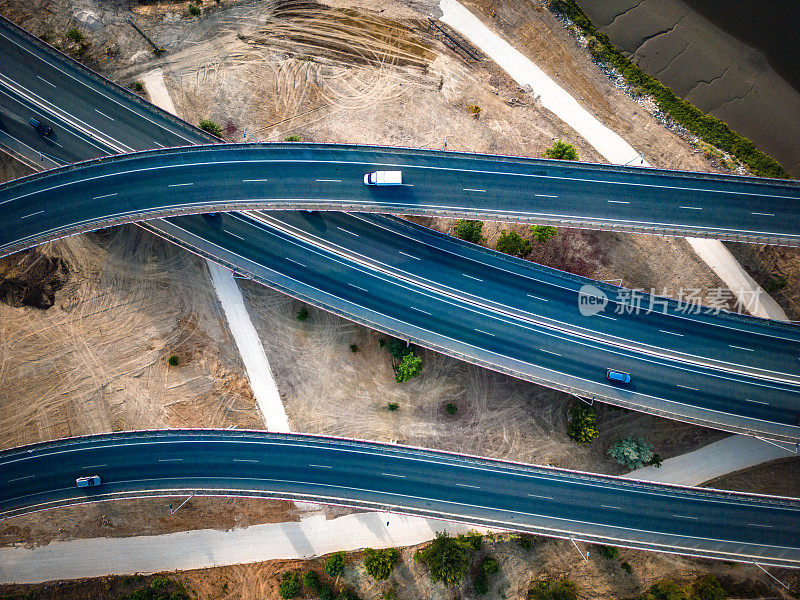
(739, 61)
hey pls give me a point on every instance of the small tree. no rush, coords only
(609, 552)
(446, 558)
(469, 230)
(76, 35)
(311, 580)
(194, 10)
(554, 589)
(209, 126)
(481, 584)
(582, 426)
(302, 314)
(451, 408)
(510, 242)
(173, 361)
(708, 588)
(409, 367)
(633, 453)
(542, 233)
(335, 564)
(561, 150)
(526, 540)
(137, 86)
(353, 348)
(325, 592)
(379, 563)
(665, 590)
(490, 566)
(290, 586)
(392, 406)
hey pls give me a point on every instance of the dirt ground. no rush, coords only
(356, 71)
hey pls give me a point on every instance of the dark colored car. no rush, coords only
(40, 127)
(618, 376)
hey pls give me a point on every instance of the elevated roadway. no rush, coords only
(592, 508)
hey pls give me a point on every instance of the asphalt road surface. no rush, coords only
(477, 491)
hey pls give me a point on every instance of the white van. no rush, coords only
(88, 481)
(384, 178)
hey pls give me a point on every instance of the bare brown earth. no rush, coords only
(96, 360)
(780, 477)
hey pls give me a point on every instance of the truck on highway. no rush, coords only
(384, 178)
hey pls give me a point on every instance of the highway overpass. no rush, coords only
(477, 491)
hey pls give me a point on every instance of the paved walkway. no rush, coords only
(728, 455)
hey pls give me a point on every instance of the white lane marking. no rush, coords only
(471, 277)
(320, 466)
(94, 467)
(420, 310)
(394, 475)
(545, 196)
(763, 214)
(159, 144)
(550, 352)
(32, 214)
(741, 348)
(617, 201)
(45, 80)
(245, 460)
(105, 196)
(538, 496)
(345, 230)
(465, 485)
(690, 207)
(179, 184)
(671, 332)
(329, 180)
(537, 297)
(233, 234)
(408, 255)
(295, 261)
(104, 114)
(760, 525)
(686, 387)
(170, 460)
(756, 401)
(606, 317)
(253, 180)
(21, 478)
(685, 517)
(609, 506)
(473, 190)
(357, 287)
(486, 332)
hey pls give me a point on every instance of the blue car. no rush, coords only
(618, 376)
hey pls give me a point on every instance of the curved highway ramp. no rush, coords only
(478, 491)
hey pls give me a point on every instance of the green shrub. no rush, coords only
(554, 589)
(527, 540)
(475, 110)
(469, 230)
(137, 86)
(397, 348)
(353, 348)
(409, 367)
(379, 563)
(302, 314)
(325, 592)
(633, 453)
(290, 585)
(609, 552)
(708, 588)
(194, 10)
(311, 580)
(582, 426)
(510, 242)
(708, 128)
(542, 233)
(209, 126)
(451, 408)
(76, 35)
(665, 590)
(481, 584)
(561, 150)
(490, 566)
(655, 461)
(626, 566)
(471, 541)
(775, 284)
(446, 559)
(392, 406)
(335, 564)
(347, 594)
(173, 361)
(159, 583)
(293, 138)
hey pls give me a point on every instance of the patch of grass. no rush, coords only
(194, 10)
(76, 35)
(609, 552)
(708, 128)
(302, 314)
(626, 566)
(209, 126)
(173, 361)
(554, 589)
(293, 138)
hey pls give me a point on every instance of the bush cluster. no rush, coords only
(633, 453)
(160, 588)
(703, 588)
(409, 367)
(194, 10)
(290, 585)
(554, 589)
(335, 564)
(469, 230)
(209, 126)
(582, 426)
(510, 242)
(447, 558)
(379, 563)
(561, 150)
(542, 233)
(708, 128)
